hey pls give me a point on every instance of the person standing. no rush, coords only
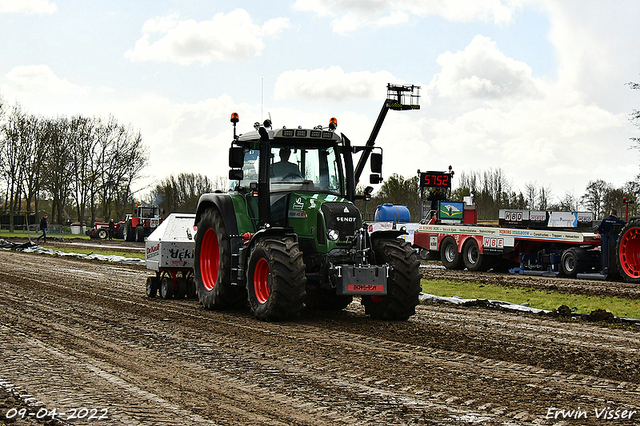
(112, 229)
(43, 227)
(608, 235)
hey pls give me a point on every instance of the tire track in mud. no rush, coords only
(325, 368)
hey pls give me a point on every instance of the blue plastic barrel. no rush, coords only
(392, 213)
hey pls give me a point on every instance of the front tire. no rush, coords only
(212, 265)
(403, 284)
(103, 234)
(276, 279)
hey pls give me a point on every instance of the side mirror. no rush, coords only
(375, 178)
(236, 157)
(235, 174)
(376, 162)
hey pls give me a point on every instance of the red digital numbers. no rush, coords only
(435, 179)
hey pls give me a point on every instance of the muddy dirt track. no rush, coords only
(77, 334)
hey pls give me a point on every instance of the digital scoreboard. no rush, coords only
(435, 180)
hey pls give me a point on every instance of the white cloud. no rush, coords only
(481, 71)
(333, 83)
(27, 6)
(39, 80)
(350, 15)
(229, 37)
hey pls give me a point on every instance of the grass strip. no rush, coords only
(539, 299)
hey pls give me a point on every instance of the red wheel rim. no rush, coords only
(260, 281)
(209, 259)
(376, 299)
(630, 252)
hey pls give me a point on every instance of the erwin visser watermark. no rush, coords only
(605, 413)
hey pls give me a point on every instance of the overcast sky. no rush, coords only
(534, 87)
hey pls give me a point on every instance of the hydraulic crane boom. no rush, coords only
(399, 98)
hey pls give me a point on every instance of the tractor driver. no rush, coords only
(284, 168)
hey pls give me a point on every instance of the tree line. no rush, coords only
(72, 168)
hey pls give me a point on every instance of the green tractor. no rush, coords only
(288, 235)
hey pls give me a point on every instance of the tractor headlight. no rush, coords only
(333, 235)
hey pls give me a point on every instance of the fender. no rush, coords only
(224, 203)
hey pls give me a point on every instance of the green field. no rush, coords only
(539, 299)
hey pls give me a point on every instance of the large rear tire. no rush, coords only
(276, 279)
(212, 265)
(449, 255)
(628, 252)
(403, 284)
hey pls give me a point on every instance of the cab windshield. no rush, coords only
(297, 168)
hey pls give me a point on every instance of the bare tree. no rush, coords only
(59, 171)
(181, 193)
(14, 139)
(594, 197)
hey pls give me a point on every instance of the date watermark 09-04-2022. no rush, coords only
(54, 414)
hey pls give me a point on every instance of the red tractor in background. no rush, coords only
(140, 224)
(100, 230)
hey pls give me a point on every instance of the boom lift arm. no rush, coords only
(399, 98)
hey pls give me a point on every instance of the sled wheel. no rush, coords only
(191, 288)
(166, 287)
(182, 287)
(152, 286)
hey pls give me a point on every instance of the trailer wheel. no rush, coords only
(103, 234)
(449, 255)
(212, 265)
(166, 287)
(473, 259)
(276, 279)
(573, 262)
(322, 299)
(152, 286)
(403, 284)
(628, 252)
